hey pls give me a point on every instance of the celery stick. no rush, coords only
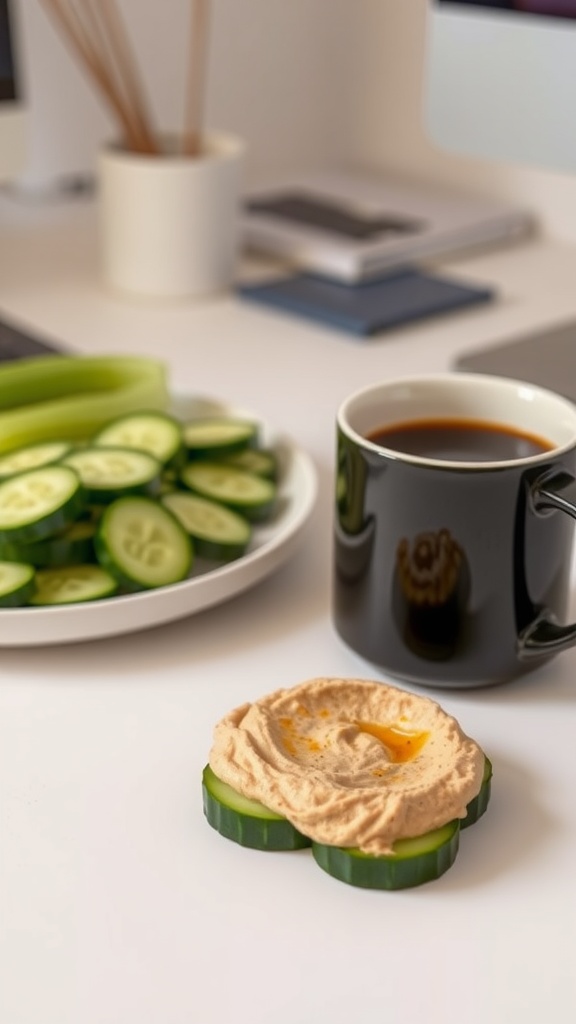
(72, 397)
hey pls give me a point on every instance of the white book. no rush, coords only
(353, 227)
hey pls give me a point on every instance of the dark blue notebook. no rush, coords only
(398, 298)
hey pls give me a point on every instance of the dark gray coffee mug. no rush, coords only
(454, 569)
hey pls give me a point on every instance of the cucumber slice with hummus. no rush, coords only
(478, 805)
(413, 862)
(16, 584)
(251, 495)
(246, 822)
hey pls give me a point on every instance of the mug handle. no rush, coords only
(556, 491)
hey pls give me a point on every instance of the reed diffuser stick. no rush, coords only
(93, 49)
(97, 38)
(199, 25)
(121, 52)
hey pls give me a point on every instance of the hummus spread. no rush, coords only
(350, 762)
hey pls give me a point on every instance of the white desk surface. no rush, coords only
(118, 903)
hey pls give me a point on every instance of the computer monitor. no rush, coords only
(12, 104)
(501, 80)
(500, 84)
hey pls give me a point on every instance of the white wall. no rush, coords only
(387, 131)
(306, 82)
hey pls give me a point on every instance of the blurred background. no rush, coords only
(308, 83)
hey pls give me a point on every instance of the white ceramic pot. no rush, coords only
(169, 225)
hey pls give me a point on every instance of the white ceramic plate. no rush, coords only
(272, 544)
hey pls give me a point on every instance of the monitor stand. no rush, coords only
(546, 357)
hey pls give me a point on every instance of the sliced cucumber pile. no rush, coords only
(131, 508)
(413, 861)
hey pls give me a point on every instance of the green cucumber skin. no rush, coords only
(53, 522)
(215, 452)
(217, 449)
(19, 598)
(22, 593)
(477, 807)
(52, 552)
(414, 862)
(389, 873)
(43, 528)
(214, 552)
(256, 832)
(254, 511)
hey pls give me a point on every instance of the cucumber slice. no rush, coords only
(39, 502)
(16, 584)
(413, 862)
(32, 456)
(246, 822)
(107, 473)
(156, 433)
(72, 584)
(261, 461)
(217, 531)
(216, 436)
(251, 495)
(142, 544)
(71, 546)
(478, 805)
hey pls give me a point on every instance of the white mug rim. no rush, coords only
(523, 391)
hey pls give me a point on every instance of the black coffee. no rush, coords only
(460, 440)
